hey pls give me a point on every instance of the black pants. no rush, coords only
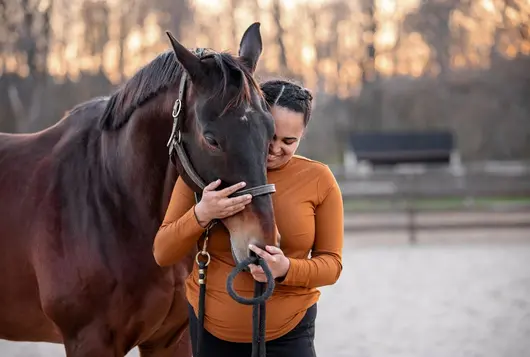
(299, 342)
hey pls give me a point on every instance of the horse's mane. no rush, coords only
(164, 72)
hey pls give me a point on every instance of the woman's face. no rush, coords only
(289, 128)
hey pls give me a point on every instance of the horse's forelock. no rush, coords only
(229, 66)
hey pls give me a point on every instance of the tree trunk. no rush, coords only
(282, 53)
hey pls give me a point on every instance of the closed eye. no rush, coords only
(211, 141)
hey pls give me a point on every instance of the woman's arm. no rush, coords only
(325, 265)
(180, 228)
(185, 221)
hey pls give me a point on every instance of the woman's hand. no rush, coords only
(278, 263)
(217, 205)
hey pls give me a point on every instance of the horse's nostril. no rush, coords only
(252, 254)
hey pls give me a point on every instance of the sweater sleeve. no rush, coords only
(325, 265)
(180, 229)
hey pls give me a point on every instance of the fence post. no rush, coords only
(412, 223)
(411, 208)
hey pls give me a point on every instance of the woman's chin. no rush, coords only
(272, 164)
(275, 163)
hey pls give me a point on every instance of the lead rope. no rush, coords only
(203, 266)
(258, 301)
(261, 294)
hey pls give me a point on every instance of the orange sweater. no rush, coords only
(309, 216)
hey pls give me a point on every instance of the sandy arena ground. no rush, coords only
(456, 294)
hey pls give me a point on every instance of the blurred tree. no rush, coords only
(7, 27)
(339, 13)
(34, 34)
(95, 16)
(232, 8)
(256, 10)
(432, 21)
(280, 38)
(328, 42)
(369, 71)
(173, 15)
(369, 115)
(26, 40)
(65, 20)
(513, 28)
(128, 15)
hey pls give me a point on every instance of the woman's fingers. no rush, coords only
(273, 249)
(245, 199)
(238, 208)
(256, 269)
(232, 210)
(229, 202)
(225, 192)
(259, 276)
(218, 203)
(257, 273)
(212, 185)
(236, 204)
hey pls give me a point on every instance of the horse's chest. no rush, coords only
(161, 300)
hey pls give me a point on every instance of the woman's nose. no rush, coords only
(274, 149)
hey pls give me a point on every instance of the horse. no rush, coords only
(82, 200)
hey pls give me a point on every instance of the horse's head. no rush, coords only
(225, 133)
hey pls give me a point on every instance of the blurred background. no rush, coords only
(422, 110)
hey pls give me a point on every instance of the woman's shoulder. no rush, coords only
(317, 169)
(311, 164)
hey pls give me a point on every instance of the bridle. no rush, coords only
(202, 258)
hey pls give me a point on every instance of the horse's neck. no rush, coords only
(144, 156)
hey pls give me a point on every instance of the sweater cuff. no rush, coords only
(293, 273)
(190, 221)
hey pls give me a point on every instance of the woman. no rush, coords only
(309, 217)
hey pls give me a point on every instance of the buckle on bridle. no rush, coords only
(176, 108)
(175, 114)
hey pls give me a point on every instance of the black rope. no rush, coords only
(261, 294)
(202, 293)
(238, 269)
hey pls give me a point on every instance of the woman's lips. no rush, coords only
(272, 157)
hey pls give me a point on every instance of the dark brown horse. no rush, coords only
(81, 202)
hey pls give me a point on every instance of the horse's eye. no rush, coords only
(211, 141)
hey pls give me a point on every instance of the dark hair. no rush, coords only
(163, 72)
(288, 95)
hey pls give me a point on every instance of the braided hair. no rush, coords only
(288, 95)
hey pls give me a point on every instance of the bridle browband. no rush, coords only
(202, 258)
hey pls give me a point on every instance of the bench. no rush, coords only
(403, 147)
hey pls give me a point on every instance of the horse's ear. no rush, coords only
(251, 46)
(191, 63)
